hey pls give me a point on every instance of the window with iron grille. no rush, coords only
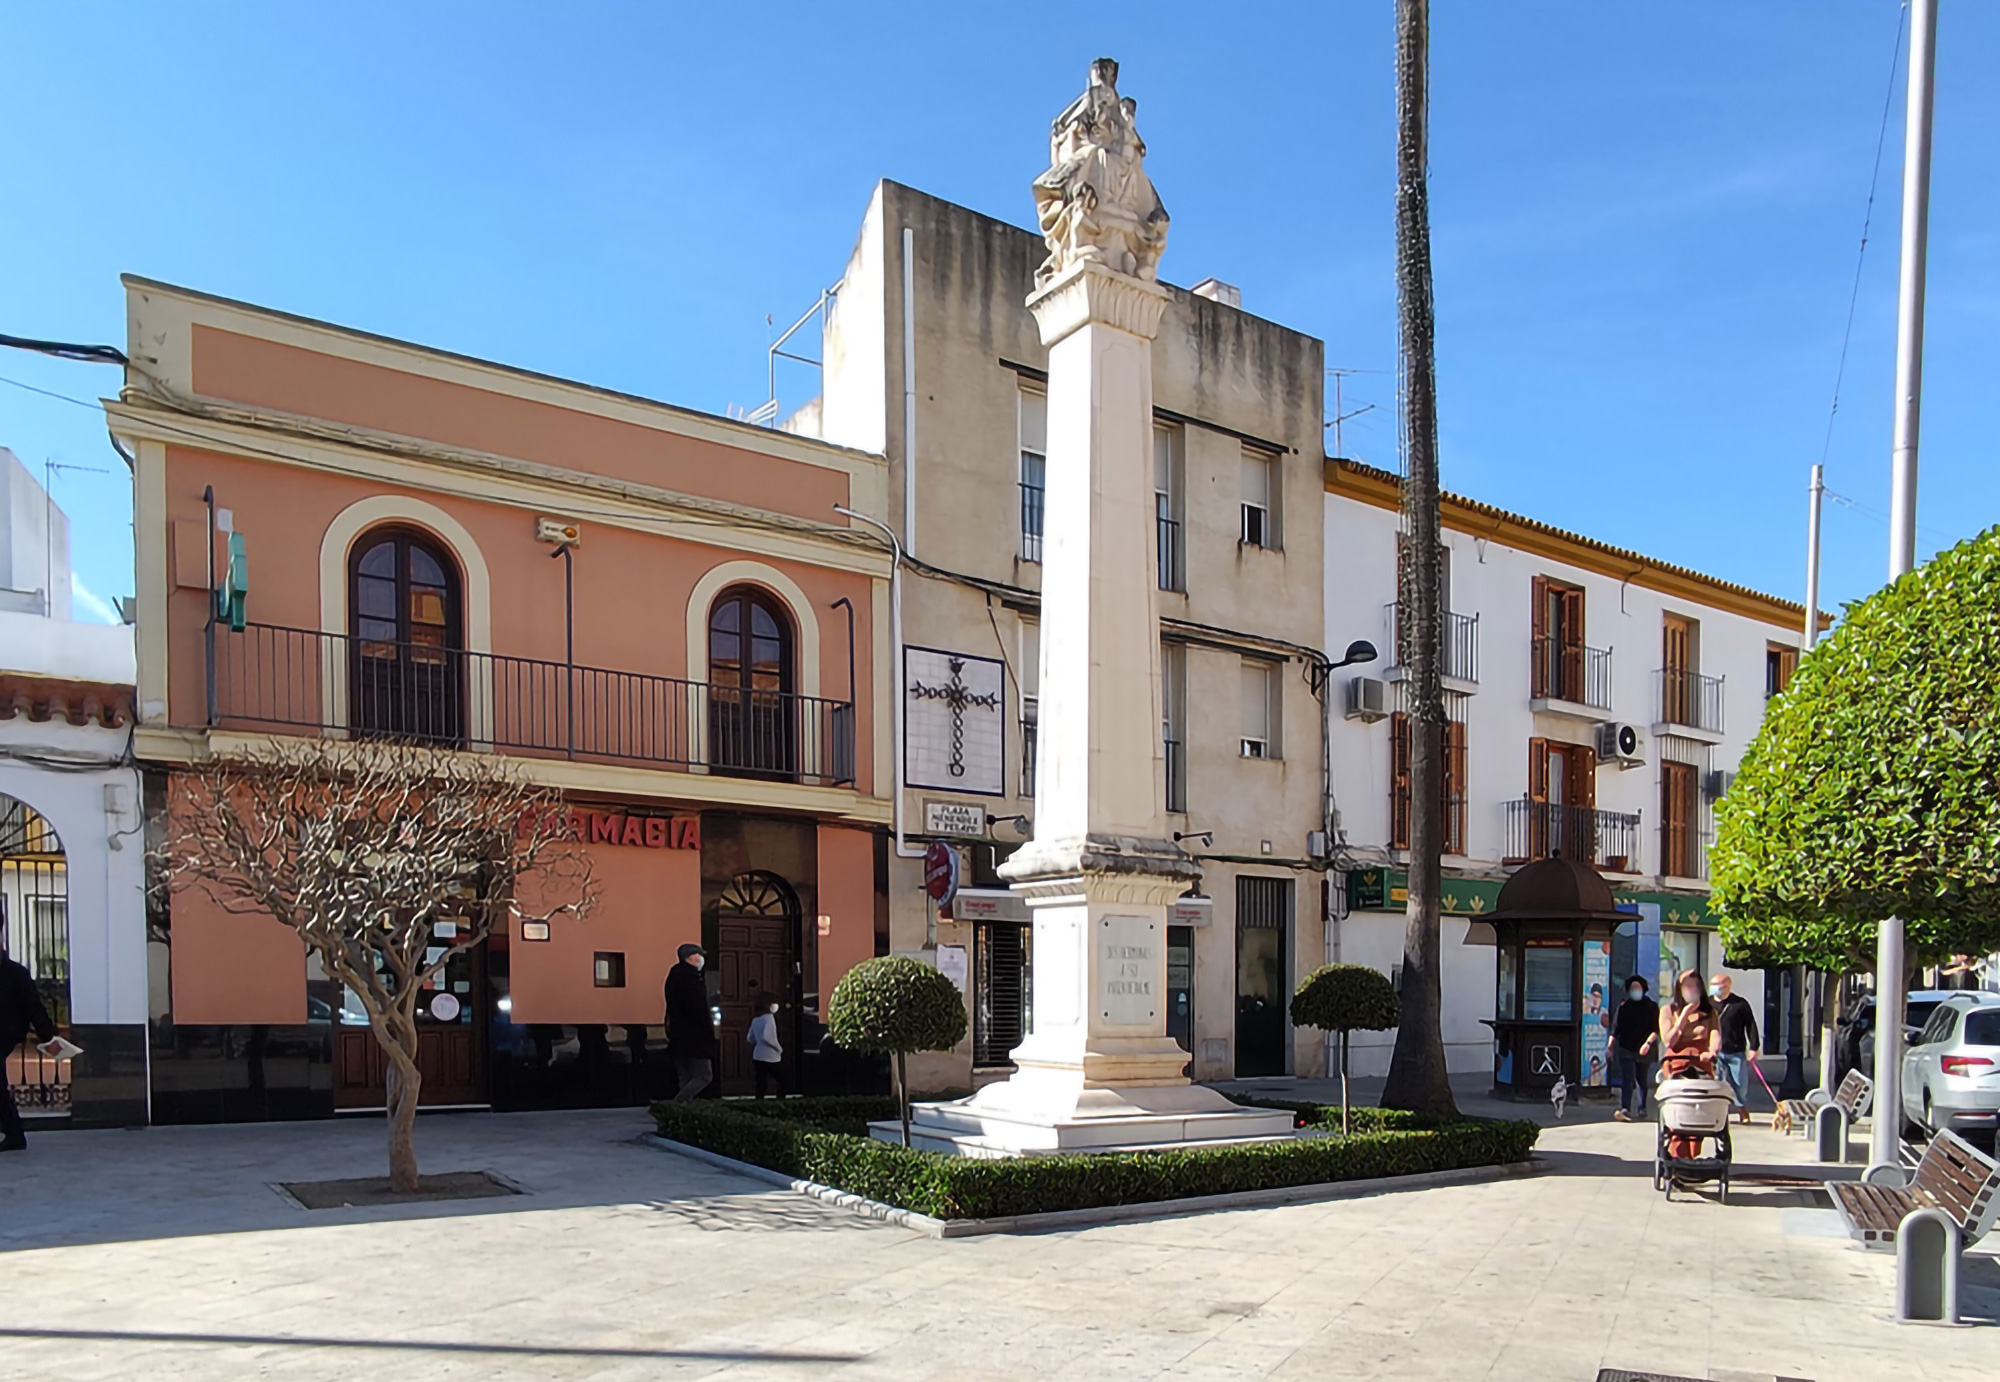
(1173, 728)
(1002, 955)
(1263, 904)
(1168, 470)
(1402, 753)
(1034, 432)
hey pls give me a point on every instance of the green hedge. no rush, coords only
(821, 1141)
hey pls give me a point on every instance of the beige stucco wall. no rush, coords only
(1225, 377)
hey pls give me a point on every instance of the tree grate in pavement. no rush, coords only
(370, 1191)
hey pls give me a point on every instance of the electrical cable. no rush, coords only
(64, 350)
(1867, 219)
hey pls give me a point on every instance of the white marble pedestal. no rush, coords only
(1098, 1072)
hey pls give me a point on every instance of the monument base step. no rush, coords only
(931, 1139)
(1107, 1121)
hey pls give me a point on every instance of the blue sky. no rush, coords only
(1645, 216)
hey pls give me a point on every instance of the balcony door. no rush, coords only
(1679, 701)
(406, 678)
(751, 708)
(1562, 779)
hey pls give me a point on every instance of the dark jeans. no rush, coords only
(1635, 1075)
(768, 1073)
(10, 1116)
(694, 1073)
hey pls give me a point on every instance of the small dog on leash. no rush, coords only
(1781, 1121)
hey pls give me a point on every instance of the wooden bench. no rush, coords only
(1948, 1205)
(1952, 1178)
(1852, 1098)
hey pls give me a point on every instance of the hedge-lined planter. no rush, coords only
(825, 1142)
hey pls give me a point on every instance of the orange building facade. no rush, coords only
(658, 611)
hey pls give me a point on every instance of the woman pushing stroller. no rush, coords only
(1691, 1038)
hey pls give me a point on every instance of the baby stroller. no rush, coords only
(1694, 1107)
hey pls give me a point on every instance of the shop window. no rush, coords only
(405, 664)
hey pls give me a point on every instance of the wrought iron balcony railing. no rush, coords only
(1691, 699)
(269, 677)
(1459, 643)
(1570, 672)
(1547, 830)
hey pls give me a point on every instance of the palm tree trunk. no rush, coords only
(1418, 1076)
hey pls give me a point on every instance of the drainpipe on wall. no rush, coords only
(903, 851)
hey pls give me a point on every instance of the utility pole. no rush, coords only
(1793, 1086)
(1418, 1076)
(1884, 1140)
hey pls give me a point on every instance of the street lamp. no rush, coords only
(1360, 650)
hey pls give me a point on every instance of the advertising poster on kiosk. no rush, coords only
(1594, 1060)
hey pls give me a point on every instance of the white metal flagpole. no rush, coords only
(1883, 1142)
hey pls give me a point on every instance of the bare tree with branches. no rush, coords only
(362, 848)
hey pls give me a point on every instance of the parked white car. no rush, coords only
(1951, 1071)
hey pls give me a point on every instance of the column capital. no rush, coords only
(1090, 294)
(1101, 868)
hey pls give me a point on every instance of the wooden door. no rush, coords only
(753, 967)
(1676, 663)
(451, 1049)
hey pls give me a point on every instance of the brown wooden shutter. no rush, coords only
(1537, 842)
(1676, 638)
(1676, 802)
(1454, 787)
(1788, 663)
(1583, 776)
(1399, 780)
(1539, 660)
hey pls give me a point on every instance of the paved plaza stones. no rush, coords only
(166, 1254)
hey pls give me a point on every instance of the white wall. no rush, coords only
(34, 539)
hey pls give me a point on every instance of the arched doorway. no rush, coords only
(34, 918)
(405, 638)
(757, 948)
(750, 682)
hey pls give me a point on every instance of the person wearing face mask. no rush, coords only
(1635, 1031)
(690, 1025)
(1690, 1030)
(1740, 1040)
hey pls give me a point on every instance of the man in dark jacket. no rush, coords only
(1635, 1031)
(1740, 1040)
(21, 1011)
(690, 1024)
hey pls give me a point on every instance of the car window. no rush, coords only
(1982, 1027)
(1917, 1012)
(1946, 1022)
(1928, 1034)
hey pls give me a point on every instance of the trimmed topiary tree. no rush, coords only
(1870, 789)
(1343, 999)
(896, 1005)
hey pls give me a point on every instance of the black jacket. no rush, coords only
(21, 1008)
(1739, 1025)
(1636, 1022)
(690, 1024)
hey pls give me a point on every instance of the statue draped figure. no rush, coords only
(1095, 204)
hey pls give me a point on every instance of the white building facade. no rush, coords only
(1599, 701)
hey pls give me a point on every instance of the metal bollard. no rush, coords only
(1927, 1268)
(1830, 1128)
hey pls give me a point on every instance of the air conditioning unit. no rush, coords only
(1367, 699)
(1316, 844)
(1714, 784)
(1622, 744)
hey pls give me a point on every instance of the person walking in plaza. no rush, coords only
(1690, 1030)
(766, 1053)
(21, 1011)
(1740, 1040)
(1635, 1031)
(690, 1024)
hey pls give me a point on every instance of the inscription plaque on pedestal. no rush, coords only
(1128, 963)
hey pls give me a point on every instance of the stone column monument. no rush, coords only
(1098, 1069)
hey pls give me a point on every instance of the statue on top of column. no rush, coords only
(1095, 203)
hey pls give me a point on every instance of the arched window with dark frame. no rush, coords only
(751, 711)
(405, 640)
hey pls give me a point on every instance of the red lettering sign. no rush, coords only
(603, 828)
(645, 832)
(656, 832)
